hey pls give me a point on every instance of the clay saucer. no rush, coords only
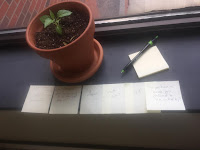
(80, 76)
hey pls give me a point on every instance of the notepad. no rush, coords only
(65, 100)
(38, 99)
(131, 98)
(149, 63)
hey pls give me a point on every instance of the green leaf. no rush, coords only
(62, 13)
(57, 21)
(59, 29)
(52, 14)
(47, 22)
(43, 18)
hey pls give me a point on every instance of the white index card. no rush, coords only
(135, 98)
(113, 99)
(65, 100)
(164, 96)
(91, 101)
(38, 99)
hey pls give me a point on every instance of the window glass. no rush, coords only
(18, 13)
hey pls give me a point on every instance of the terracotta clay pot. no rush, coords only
(76, 61)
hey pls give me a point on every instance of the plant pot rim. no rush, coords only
(56, 49)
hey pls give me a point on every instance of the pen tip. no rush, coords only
(122, 71)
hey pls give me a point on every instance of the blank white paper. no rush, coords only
(149, 63)
(164, 96)
(65, 100)
(38, 99)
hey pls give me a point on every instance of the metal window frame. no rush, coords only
(152, 21)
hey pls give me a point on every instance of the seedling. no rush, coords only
(49, 19)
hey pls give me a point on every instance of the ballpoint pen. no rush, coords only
(148, 45)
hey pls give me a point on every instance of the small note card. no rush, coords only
(65, 100)
(149, 63)
(163, 96)
(38, 99)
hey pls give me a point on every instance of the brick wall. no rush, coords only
(18, 13)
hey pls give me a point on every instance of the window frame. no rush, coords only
(148, 22)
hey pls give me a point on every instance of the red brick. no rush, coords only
(23, 1)
(19, 8)
(52, 2)
(26, 19)
(33, 14)
(13, 21)
(4, 23)
(20, 20)
(9, 1)
(32, 7)
(11, 9)
(42, 5)
(26, 6)
(1, 3)
(37, 7)
(47, 3)
(17, 1)
(3, 9)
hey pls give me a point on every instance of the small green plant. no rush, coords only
(49, 19)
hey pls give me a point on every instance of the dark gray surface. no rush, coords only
(22, 67)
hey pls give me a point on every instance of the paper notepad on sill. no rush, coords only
(38, 99)
(65, 100)
(131, 98)
(149, 63)
(163, 96)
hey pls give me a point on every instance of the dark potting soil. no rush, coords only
(72, 27)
